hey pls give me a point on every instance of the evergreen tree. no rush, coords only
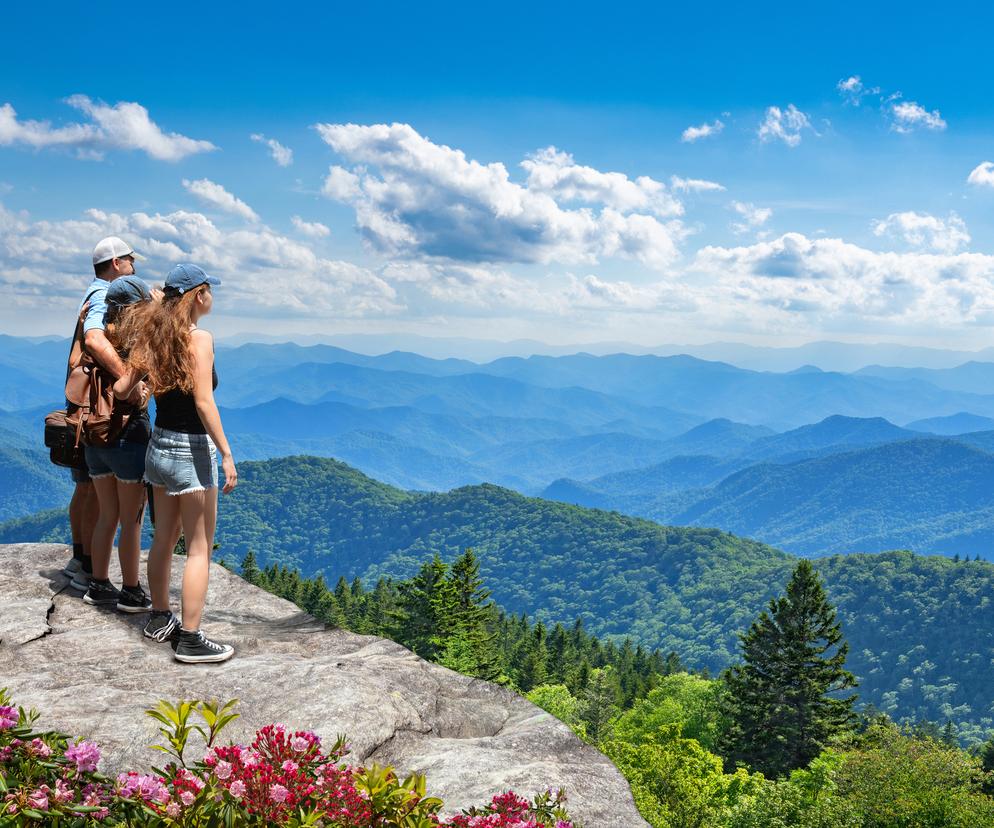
(782, 702)
(250, 569)
(421, 599)
(600, 704)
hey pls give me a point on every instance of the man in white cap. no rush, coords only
(112, 257)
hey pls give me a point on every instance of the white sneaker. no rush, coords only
(81, 580)
(71, 568)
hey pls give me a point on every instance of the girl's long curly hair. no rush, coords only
(156, 337)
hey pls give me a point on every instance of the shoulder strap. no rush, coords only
(78, 348)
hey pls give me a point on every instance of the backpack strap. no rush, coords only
(78, 346)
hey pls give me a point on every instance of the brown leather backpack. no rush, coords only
(92, 411)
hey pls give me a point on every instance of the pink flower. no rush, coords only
(63, 793)
(8, 717)
(40, 749)
(289, 767)
(299, 744)
(278, 793)
(38, 799)
(86, 755)
(222, 770)
(173, 809)
(237, 789)
(187, 797)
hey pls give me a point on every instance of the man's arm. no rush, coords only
(99, 347)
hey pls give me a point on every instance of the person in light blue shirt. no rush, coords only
(112, 257)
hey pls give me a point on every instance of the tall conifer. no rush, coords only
(783, 702)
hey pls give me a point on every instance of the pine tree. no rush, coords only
(420, 599)
(600, 704)
(250, 569)
(782, 702)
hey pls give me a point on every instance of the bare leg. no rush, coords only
(79, 497)
(131, 507)
(103, 533)
(199, 514)
(160, 556)
(90, 512)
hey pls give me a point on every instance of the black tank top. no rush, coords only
(177, 411)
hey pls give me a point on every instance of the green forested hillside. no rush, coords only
(921, 629)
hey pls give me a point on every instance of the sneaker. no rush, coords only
(71, 568)
(134, 599)
(162, 626)
(102, 594)
(195, 647)
(81, 580)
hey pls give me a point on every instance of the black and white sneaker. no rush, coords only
(162, 626)
(102, 594)
(195, 647)
(134, 599)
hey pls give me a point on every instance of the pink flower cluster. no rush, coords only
(506, 810)
(86, 755)
(8, 717)
(281, 771)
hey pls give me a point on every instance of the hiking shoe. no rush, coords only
(134, 599)
(71, 568)
(81, 580)
(195, 647)
(162, 626)
(102, 594)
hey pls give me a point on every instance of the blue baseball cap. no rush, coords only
(127, 290)
(184, 277)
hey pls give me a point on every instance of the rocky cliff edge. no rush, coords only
(92, 674)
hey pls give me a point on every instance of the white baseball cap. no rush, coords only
(112, 248)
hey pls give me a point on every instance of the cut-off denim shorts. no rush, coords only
(181, 462)
(124, 459)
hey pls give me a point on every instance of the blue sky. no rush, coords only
(514, 171)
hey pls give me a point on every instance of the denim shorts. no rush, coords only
(181, 462)
(123, 459)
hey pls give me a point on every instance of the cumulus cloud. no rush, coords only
(982, 175)
(826, 279)
(264, 273)
(314, 229)
(752, 217)
(909, 116)
(783, 125)
(695, 133)
(417, 199)
(214, 194)
(554, 172)
(281, 155)
(694, 185)
(924, 231)
(126, 125)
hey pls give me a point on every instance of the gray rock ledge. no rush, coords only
(91, 673)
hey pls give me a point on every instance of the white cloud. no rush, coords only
(264, 273)
(753, 217)
(835, 283)
(783, 125)
(214, 194)
(909, 116)
(924, 231)
(122, 126)
(417, 199)
(554, 172)
(695, 133)
(694, 185)
(314, 229)
(854, 90)
(281, 155)
(982, 175)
